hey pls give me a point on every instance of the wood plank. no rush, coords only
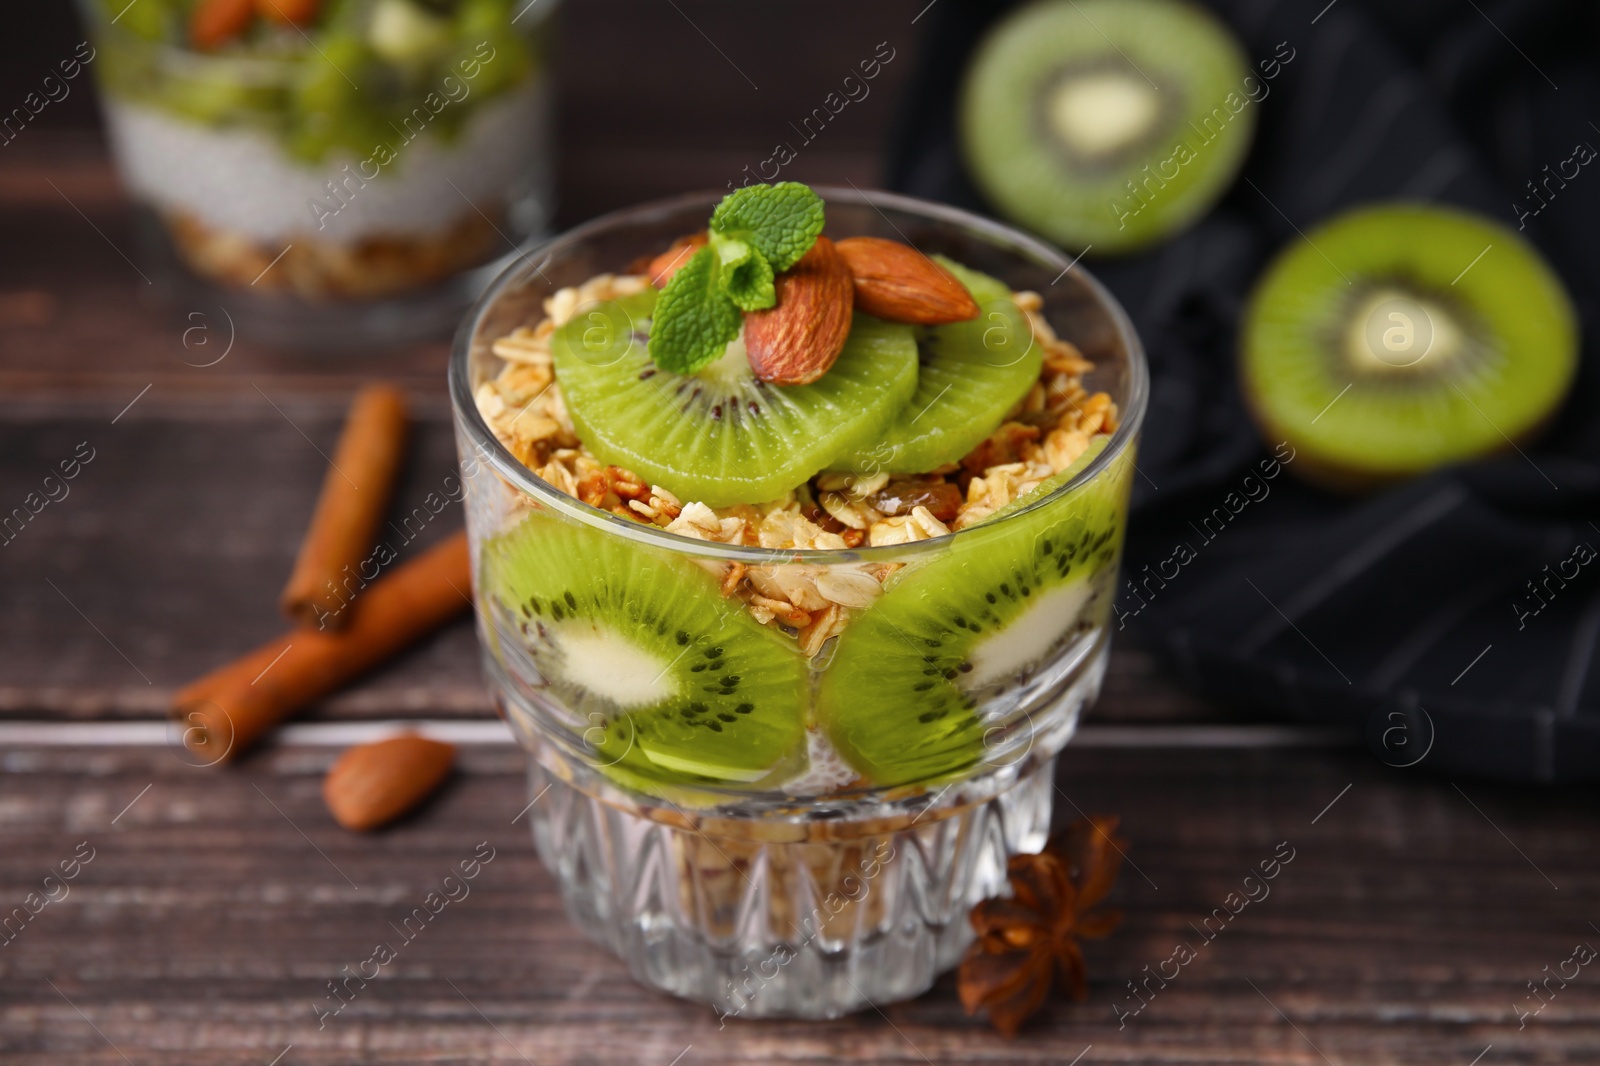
(1403, 930)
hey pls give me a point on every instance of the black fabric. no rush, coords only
(1414, 613)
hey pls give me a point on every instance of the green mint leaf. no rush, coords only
(780, 221)
(694, 319)
(744, 273)
(750, 284)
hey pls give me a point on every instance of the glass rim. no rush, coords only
(489, 448)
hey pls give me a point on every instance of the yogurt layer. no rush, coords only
(241, 180)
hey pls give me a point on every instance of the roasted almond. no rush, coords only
(216, 22)
(293, 12)
(795, 341)
(663, 266)
(899, 283)
(373, 784)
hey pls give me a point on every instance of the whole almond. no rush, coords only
(663, 266)
(795, 341)
(373, 784)
(899, 283)
(290, 12)
(214, 23)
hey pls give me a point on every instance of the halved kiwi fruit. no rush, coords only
(1106, 123)
(722, 436)
(900, 698)
(1402, 337)
(969, 375)
(673, 683)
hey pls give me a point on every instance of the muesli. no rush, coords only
(1042, 435)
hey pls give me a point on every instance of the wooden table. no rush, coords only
(219, 902)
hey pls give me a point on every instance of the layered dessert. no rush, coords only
(335, 149)
(844, 517)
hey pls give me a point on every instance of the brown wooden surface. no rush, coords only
(207, 925)
(217, 906)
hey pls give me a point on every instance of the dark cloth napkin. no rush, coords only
(1453, 619)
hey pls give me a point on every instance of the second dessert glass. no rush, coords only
(826, 860)
(357, 179)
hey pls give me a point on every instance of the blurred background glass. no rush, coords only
(338, 170)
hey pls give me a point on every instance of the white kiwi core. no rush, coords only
(598, 658)
(1099, 113)
(1028, 638)
(1393, 331)
(731, 366)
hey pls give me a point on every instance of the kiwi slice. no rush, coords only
(901, 698)
(1106, 123)
(672, 682)
(721, 435)
(153, 21)
(325, 109)
(1398, 338)
(969, 375)
(493, 23)
(407, 34)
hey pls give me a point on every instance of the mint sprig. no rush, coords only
(746, 275)
(781, 222)
(694, 318)
(756, 233)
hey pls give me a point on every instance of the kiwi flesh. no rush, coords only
(670, 683)
(722, 436)
(1106, 123)
(900, 698)
(969, 375)
(1398, 338)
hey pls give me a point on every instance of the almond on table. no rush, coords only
(373, 784)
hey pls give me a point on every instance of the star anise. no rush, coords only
(1024, 940)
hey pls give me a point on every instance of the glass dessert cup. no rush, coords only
(358, 180)
(806, 838)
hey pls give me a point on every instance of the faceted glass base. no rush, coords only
(769, 928)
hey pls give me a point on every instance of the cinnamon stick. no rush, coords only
(246, 668)
(231, 708)
(355, 496)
